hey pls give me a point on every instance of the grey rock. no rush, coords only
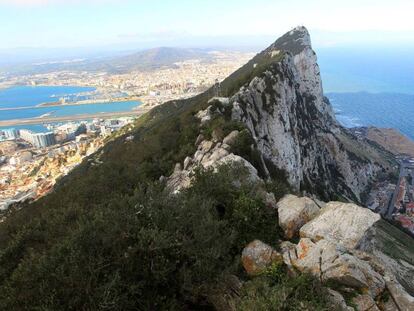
(294, 212)
(258, 256)
(231, 138)
(342, 223)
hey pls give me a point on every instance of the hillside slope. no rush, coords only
(391, 139)
(111, 236)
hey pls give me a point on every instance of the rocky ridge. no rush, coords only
(332, 251)
(293, 125)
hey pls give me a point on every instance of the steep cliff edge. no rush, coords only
(117, 234)
(278, 96)
(295, 128)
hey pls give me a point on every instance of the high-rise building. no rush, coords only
(11, 133)
(42, 140)
(27, 135)
(39, 140)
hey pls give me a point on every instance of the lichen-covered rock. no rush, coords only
(330, 262)
(342, 223)
(258, 256)
(294, 126)
(365, 303)
(209, 155)
(294, 212)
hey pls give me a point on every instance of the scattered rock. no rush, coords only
(258, 256)
(205, 146)
(177, 167)
(235, 159)
(342, 223)
(294, 212)
(332, 263)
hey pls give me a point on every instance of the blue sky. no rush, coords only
(82, 23)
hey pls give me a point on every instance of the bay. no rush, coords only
(30, 97)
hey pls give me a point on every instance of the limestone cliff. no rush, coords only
(278, 96)
(295, 128)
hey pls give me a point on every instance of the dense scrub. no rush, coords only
(146, 251)
(110, 237)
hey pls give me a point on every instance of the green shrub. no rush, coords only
(296, 294)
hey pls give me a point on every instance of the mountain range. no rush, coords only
(123, 62)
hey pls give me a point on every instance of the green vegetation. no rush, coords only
(110, 236)
(146, 251)
(254, 68)
(274, 290)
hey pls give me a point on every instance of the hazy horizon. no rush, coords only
(94, 24)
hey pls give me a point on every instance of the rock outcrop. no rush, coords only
(209, 155)
(294, 126)
(332, 263)
(258, 256)
(294, 212)
(341, 223)
(338, 247)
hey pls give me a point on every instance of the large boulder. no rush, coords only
(332, 263)
(342, 223)
(258, 256)
(294, 212)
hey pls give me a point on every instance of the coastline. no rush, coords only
(106, 115)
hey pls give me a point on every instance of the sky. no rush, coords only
(94, 23)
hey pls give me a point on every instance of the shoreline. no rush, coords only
(86, 102)
(106, 115)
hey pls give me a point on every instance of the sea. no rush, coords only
(28, 97)
(390, 110)
(370, 86)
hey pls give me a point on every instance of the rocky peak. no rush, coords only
(295, 128)
(294, 41)
(278, 97)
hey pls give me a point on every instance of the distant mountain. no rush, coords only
(142, 60)
(158, 57)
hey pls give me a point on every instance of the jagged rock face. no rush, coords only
(209, 155)
(332, 263)
(346, 244)
(295, 128)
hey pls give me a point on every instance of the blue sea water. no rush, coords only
(391, 110)
(27, 96)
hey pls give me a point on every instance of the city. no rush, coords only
(395, 201)
(152, 87)
(31, 163)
